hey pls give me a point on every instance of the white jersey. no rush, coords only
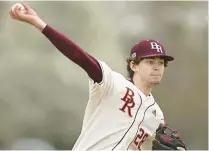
(118, 115)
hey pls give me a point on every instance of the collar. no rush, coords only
(131, 80)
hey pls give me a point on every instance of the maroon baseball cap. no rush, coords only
(149, 48)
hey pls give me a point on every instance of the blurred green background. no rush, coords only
(43, 95)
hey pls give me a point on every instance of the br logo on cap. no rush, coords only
(154, 45)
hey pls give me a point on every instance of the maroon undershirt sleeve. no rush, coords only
(74, 53)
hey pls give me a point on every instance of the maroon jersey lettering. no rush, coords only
(140, 138)
(128, 101)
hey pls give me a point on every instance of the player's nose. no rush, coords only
(156, 67)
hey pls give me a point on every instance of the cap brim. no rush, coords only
(165, 57)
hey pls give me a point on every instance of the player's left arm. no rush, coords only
(61, 42)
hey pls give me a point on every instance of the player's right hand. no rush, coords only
(180, 148)
(30, 16)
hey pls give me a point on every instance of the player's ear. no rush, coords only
(133, 66)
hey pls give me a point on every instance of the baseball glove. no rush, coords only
(167, 139)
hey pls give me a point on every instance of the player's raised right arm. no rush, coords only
(61, 42)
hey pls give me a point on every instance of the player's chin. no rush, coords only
(155, 82)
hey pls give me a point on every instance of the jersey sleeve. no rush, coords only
(106, 86)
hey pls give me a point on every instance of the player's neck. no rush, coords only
(146, 89)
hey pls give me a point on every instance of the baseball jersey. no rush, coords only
(118, 115)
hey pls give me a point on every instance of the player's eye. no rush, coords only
(161, 62)
(150, 61)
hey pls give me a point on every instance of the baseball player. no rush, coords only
(121, 114)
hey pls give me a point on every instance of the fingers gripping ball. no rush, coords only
(167, 139)
(19, 7)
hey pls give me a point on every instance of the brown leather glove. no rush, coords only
(167, 139)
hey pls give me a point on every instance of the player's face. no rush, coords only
(150, 70)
